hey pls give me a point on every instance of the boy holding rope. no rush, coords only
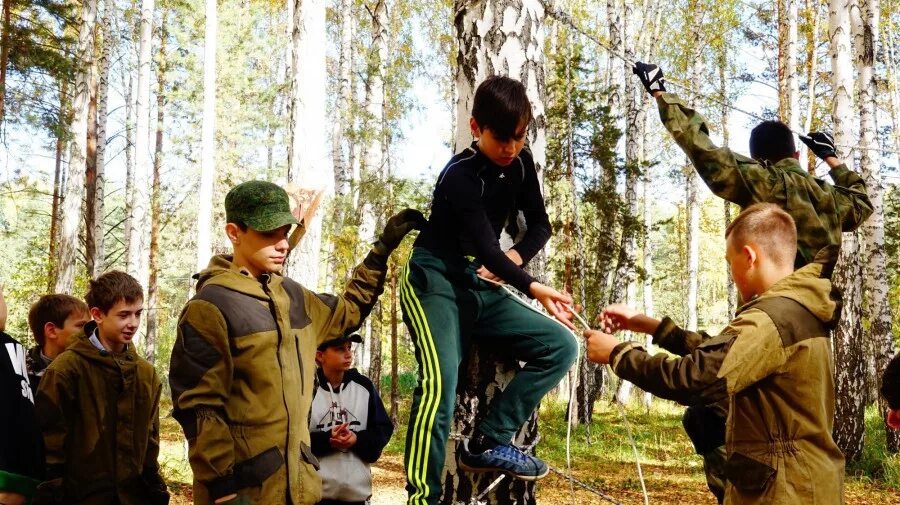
(772, 174)
(773, 364)
(449, 293)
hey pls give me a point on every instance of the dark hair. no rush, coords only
(890, 383)
(771, 142)
(111, 288)
(52, 309)
(501, 105)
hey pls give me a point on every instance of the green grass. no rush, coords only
(876, 464)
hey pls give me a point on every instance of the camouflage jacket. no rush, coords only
(774, 365)
(242, 374)
(99, 412)
(821, 210)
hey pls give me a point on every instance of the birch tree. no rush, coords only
(139, 240)
(692, 197)
(74, 193)
(155, 197)
(850, 375)
(208, 138)
(95, 251)
(877, 309)
(495, 37)
(788, 80)
(309, 164)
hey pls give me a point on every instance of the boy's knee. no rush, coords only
(565, 348)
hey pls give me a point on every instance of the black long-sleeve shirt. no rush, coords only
(21, 456)
(472, 202)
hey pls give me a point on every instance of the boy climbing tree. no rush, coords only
(243, 362)
(450, 296)
(772, 365)
(772, 174)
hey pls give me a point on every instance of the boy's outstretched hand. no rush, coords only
(555, 302)
(620, 317)
(397, 227)
(651, 77)
(599, 345)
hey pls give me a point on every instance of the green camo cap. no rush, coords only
(261, 205)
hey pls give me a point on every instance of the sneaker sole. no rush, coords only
(528, 478)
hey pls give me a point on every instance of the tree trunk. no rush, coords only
(99, 230)
(807, 158)
(155, 196)
(395, 386)
(504, 37)
(692, 203)
(343, 177)
(877, 309)
(375, 353)
(849, 422)
(130, 107)
(208, 136)
(74, 194)
(893, 91)
(52, 259)
(139, 241)
(309, 163)
(788, 82)
(726, 137)
(4, 57)
(90, 177)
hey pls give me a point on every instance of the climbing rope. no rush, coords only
(565, 18)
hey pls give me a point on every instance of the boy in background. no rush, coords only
(98, 407)
(53, 319)
(348, 425)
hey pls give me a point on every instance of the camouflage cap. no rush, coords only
(262, 206)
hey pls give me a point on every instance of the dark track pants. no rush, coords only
(444, 306)
(705, 426)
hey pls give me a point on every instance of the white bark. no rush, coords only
(877, 307)
(811, 82)
(692, 203)
(342, 115)
(74, 193)
(374, 154)
(208, 139)
(850, 376)
(309, 161)
(613, 77)
(129, 167)
(789, 83)
(139, 241)
(102, 114)
(893, 91)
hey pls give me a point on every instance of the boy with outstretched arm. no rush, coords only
(348, 424)
(21, 458)
(449, 296)
(98, 407)
(243, 362)
(772, 173)
(773, 364)
(53, 320)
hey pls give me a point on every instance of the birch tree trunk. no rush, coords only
(139, 241)
(692, 197)
(496, 37)
(99, 230)
(309, 162)
(208, 138)
(130, 106)
(849, 425)
(74, 193)
(807, 159)
(155, 196)
(4, 57)
(877, 309)
(788, 81)
(893, 91)
(90, 172)
(52, 258)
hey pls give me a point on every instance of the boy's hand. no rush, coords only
(617, 317)
(820, 143)
(555, 302)
(893, 419)
(397, 227)
(651, 77)
(487, 275)
(342, 438)
(8, 498)
(599, 346)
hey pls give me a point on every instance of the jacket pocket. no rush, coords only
(748, 475)
(254, 471)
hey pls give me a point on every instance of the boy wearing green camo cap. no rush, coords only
(243, 363)
(771, 174)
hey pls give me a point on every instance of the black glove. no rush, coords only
(821, 143)
(396, 228)
(651, 76)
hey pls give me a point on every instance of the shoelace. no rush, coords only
(512, 452)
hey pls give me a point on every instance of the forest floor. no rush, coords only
(672, 472)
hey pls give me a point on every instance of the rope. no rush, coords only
(587, 487)
(566, 18)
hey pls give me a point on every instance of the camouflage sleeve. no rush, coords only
(850, 195)
(728, 175)
(676, 340)
(55, 411)
(346, 312)
(719, 366)
(200, 375)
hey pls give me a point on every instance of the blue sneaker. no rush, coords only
(507, 459)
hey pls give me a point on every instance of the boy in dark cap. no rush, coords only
(771, 174)
(243, 363)
(348, 424)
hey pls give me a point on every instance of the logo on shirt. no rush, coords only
(17, 359)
